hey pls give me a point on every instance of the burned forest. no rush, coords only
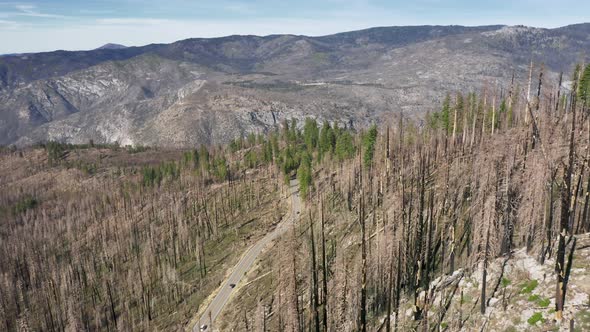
(475, 218)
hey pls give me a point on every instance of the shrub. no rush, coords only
(535, 318)
(505, 282)
(544, 303)
(529, 286)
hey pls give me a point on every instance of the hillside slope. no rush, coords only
(489, 196)
(212, 90)
(476, 221)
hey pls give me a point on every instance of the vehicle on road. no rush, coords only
(232, 285)
(203, 327)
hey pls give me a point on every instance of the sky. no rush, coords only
(44, 25)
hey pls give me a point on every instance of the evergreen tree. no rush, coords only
(325, 140)
(345, 148)
(503, 110)
(293, 132)
(191, 159)
(369, 140)
(289, 160)
(274, 142)
(310, 133)
(331, 139)
(304, 174)
(268, 154)
(445, 115)
(251, 159)
(286, 130)
(221, 168)
(433, 120)
(459, 109)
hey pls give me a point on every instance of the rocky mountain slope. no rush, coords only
(522, 297)
(207, 91)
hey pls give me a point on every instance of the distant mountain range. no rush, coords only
(108, 46)
(111, 47)
(205, 91)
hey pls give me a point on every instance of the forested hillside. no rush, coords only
(407, 225)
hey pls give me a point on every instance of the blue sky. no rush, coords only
(42, 25)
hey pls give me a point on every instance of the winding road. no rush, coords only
(245, 264)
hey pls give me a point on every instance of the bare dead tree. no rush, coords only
(564, 229)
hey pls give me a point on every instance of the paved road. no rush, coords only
(246, 262)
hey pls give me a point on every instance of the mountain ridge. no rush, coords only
(110, 54)
(111, 46)
(210, 90)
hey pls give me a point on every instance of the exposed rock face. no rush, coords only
(207, 91)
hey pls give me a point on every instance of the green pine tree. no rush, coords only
(345, 148)
(310, 133)
(304, 174)
(369, 140)
(445, 115)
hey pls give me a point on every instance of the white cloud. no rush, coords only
(26, 10)
(5, 24)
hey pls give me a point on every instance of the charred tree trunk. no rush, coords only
(536, 133)
(112, 302)
(484, 273)
(363, 309)
(389, 293)
(558, 92)
(324, 271)
(418, 273)
(549, 223)
(584, 221)
(566, 196)
(314, 279)
(398, 280)
(528, 95)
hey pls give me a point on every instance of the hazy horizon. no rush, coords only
(266, 35)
